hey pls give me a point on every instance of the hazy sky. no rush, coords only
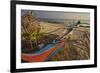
(59, 15)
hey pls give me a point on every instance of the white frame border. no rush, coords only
(20, 65)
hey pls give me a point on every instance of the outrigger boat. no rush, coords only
(48, 51)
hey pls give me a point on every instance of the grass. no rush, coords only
(77, 47)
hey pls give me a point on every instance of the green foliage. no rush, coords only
(33, 36)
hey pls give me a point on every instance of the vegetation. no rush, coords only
(75, 48)
(31, 32)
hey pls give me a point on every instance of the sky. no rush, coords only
(63, 17)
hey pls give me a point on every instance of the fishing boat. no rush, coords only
(46, 52)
